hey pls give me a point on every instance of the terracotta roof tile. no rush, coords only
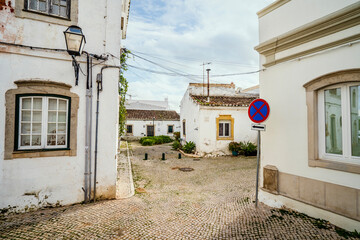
(133, 114)
(225, 101)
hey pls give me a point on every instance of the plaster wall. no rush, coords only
(291, 16)
(208, 144)
(189, 111)
(35, 182)
(161, 127)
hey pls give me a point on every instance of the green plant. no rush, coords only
(234, 146)
(177, 136)
(148, 142)
(156, 140)
(176, 145)
(123, 88)
(189, 147)
(164, 139)
(249, 148)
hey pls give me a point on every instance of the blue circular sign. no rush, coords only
(259, 110)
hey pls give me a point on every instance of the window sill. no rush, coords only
(334, 165)
(42, 153)
(224, 138)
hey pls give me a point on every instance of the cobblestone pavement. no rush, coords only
(214, 201)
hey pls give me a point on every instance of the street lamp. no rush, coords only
(75, 40)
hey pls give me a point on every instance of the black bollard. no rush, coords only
(179, 157)
(146, 156)
(163, 157)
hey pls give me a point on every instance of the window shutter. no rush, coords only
(68, 8)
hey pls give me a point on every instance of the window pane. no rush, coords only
(333, 126)
(61, 128)
(63, 12)
(36, 128)
(25, 128)
(55, 9)
(355, 120)
(62, 117)
(25, 116)
(55, 1)
(52, 128)
(25, 140)
(61, 140)
(221, 129)
(37, 116)
(26, 103)
(52, 104)
(33, 4)
(63, 2)
(37, 103)
(62, 105)
(52, 117)
(51, 140)
(227, 128)
(42, 6)
(36, 140)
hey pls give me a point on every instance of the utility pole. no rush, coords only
(208, 84)
(208, 63)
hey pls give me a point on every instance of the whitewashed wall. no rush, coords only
(60, 179)
(161, 127)
(189, 111)
(285, 141)
(208, 143)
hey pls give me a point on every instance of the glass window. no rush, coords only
(43, 122)
(224, 129)
(60, 8)
(129, 129)
(170, 128)
(339, 123)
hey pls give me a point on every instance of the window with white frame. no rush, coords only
(43, 122)
(224, 128)
(58, 8)
(339, 122)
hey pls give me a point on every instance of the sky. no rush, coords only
(171, 39)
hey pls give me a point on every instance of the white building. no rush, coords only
(147, 104)
(213, 124)
(46, 154)
(140, 123)
(311, 148)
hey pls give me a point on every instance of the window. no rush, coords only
(339, 115)
(184, 127)
(43, 122)
(225, 127)
(58, 8)
(170, 128)
(129, 129)
(333, 121)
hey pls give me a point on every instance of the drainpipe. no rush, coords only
(99, 78)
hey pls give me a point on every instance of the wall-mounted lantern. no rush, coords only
(75, 40)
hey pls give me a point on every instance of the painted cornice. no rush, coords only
(340, 20)
(271, 7)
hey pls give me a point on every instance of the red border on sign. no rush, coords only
(252, 103)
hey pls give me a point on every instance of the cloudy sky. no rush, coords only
(173, 38)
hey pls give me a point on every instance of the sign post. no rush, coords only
(258, 112)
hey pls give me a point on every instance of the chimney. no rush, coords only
(208, 84)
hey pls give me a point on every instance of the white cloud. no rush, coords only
(182, 34)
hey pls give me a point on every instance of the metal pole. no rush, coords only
(87, 131)
(208, 84)
(96, 137)
(90, 127)
(257, 169)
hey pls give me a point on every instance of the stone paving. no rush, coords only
(215, 201)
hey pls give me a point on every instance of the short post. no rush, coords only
(179, 156)
(163, 157)
(257, 168)
(146, 156)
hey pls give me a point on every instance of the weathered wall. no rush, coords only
(34, 182)
(189, 111)
(161, 127)
(207, 131)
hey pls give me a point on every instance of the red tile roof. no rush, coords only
(133, 114)
(225, 101)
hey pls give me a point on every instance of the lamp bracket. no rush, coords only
(76, 66)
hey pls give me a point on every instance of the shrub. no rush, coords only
(234, 146)
(176, 145)
(177, 136)
(156, 140)
(249, 149)
(165, 139)
(189, 147)
(148, 142)
(143, 139)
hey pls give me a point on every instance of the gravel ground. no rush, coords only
(214, 201)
